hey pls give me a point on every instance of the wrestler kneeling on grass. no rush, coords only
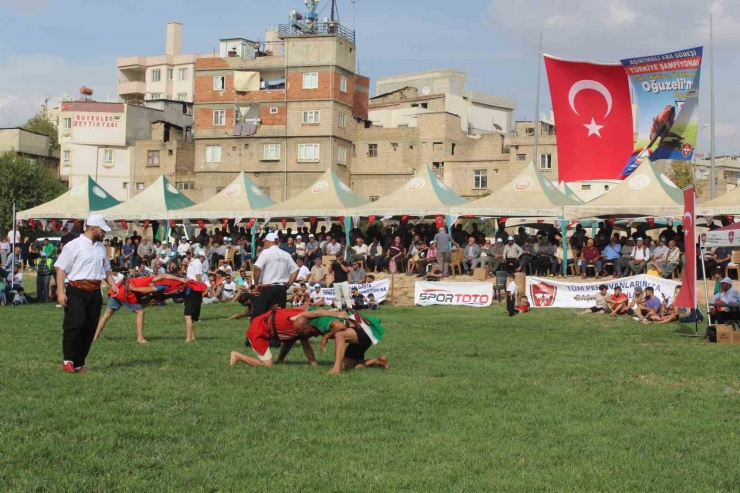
(136, 294)
(354, 334)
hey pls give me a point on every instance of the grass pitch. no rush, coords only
(474, 401)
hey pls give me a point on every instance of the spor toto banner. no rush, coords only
(378, 288)
(546, 293)
(666, 92)
(477, 294)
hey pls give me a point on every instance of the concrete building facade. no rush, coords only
(169, 151)
(168, 76)
(284, 112)
(33, 146)
(98, 139)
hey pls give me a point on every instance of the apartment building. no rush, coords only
(401, 98)
(727, 175)
(98, 139)
(33, 146)
(168, 151)
(284, 110)
(168, 76)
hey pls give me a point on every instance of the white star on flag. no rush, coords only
(593, 128)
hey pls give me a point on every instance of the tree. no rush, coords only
(682, 173)
(40, 123)
(32, 185)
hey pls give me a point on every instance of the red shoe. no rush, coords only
(80, 370)
(68, 367)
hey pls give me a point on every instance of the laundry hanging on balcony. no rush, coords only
(274, 84)
(246, 81)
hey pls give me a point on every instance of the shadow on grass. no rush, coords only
(134, 363)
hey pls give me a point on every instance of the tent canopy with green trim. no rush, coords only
(77, 203)
(240, 199)
(155, 203)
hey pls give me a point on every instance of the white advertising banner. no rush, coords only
(720, 238)
(379, 289)
(477, 294)
(547, 293)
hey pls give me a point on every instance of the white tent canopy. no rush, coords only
(155, 203)
(77, 203)
(240, 199)
(728, 203)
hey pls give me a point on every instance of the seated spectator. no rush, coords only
(557, 263)
(300, 248)
(213, 293)
(721, 257)
(300, 295)
(435, 273)
(395, 254)
(523, 306)
(600, 306)
(612, 253)
(371, 303)
(333, 247)
(225, 267)
(652, 310)
(617, 302)
(182, 250)
(512, 254)
(543, 259)
(622, 265)
(527, 255)
(470, 253)
(228, 289)
(727, 295)
(290, 248)
(357, 275)
(20, 297)
(639, 258)
(360, 251)
(375, 256)
(319, 275)
(590, 256)
(145, 253)
(313, 249)
(672, 259)
(317, 297)
(358, 300)
(303, 272)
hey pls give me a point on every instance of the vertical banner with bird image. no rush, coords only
(665, 91)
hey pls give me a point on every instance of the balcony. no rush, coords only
(321, 29)
(131, 87)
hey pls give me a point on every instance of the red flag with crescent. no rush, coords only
(312, 220)
(172, 223)
(224, 224)
(404, 219)
(687, 297)
(371, 219)
(650, 221)
(730, 219)
(251, 222)
(611, 222)
(591, 103)
(32, 223)
(146, 224)
(123, 224)
(53, 224)
(502, 220)
(201, 224)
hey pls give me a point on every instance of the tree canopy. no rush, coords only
(40, 123)
(682, 173)
(32, 185)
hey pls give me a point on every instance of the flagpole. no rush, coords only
(535, 157)
(711, 103)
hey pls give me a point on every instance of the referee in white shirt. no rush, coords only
(274, 272)
(84, 262)
(193, 299)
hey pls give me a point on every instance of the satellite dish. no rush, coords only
(426, 91)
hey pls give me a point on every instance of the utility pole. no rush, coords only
(535, 157)
(711, 97)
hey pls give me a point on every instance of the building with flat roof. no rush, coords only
(33, 146)
(167, 76)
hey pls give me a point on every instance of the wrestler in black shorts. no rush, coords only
(357, 351)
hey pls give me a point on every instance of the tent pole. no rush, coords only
(564, 232)
(254, 240)
(704, 275)
(347, 223)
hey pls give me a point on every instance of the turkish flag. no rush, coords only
(312, 221)
(730, 219)
(592, 106)
(371, 219)
(146, 224)
(404, 219)
(251, 222)
(687, 296)
(173, 224)
(123, 224)
(341, 220)
(201, 224)
(502, 221)
(611, 222)
(439, 221)
(650, 221)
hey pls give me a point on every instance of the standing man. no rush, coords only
(341, 284)
(442, 240)
(84, 262)
(44, 271)
(193, 299)
(274, 272)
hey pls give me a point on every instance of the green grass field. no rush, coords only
(474, 401)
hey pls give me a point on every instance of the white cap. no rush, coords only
(311, 235)
(98, 221)
(499, 240)
(299, 236)
(272, 237)
(726, 280)
(202, 253)
(511, 238)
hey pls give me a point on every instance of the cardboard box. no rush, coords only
(735, 337)
(480, 274)
(327, 260)
(724, 334)
(521, 283)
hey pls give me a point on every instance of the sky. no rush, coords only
(49, 48)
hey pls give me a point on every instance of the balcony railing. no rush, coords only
(321, 28)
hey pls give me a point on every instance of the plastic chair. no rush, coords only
(456, 257)
(500, 284)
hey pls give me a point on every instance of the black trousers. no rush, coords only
(42, 289)
(80, 321)
(510, 304)
(269, 297)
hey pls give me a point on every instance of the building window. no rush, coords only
(480, 180)
(308, 153)
(219, 83)
(439, 170)
(271, 152)
(273, 110)
(170, 152)
(185, 185)
(354, 150)
(311, 80)
(125, 185)
(170, 74)
(343, 83)
(438, 146)
(67, 123)
(342, 120)
(374, 198)
(313, 116)
(183, 74)
(545, 161)
(394, 145)
(107, 156)
(403, 126)
(139, 185)
(521, 157)
(453, 149)
(530, 131)
(182, 96)
(156, 75)
(156, 95)
(372, 150)
(213, 154)
(585, 188)
(219, 118)
(495, 172)
(342, 155)
(152, 158)
(67, 157)
(425, 105)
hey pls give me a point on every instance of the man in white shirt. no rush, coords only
(317, 297)
(360, 251)
(182, 249)
(300, 248)
(193, 299)
(228, 287)
(274, 272)
(638, 259)
(333, 248)
(84, 262)
(303, 272)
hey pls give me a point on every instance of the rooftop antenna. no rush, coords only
(307, 24)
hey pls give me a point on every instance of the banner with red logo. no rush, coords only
(687, 298)
(728, 236)
(592, 106)
(547, 293)
(666, 89)
(379, 289)
(475, 294)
